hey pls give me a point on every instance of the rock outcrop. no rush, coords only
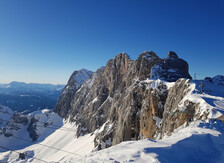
(175, 115)
(120, 103)
(16, 122)
(171, 68)
(74, 83)
(32, 129)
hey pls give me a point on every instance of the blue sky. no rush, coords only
(44, 41)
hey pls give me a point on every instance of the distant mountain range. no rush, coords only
(23, 97)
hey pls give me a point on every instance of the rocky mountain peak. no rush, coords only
(149, 55)
(78, 77)
(172, 54)
(145, 62)
(117, 96)
(74, 83)
(120, 62)
(122, 55)
(171, 68)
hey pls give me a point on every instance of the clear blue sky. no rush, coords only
(44, 41)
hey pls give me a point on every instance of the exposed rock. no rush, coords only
(175, 115)
(172, 54)
(152, 111)
(221, 118)
(32, 129)
(14, 123)
(145, 62)
(120, 103)
(74, 83)
(19, 119)
(171, 68)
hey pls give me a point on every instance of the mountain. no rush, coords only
(21, 87)
(23, 97)
(120, 96)
(74, 83)
(151, 99)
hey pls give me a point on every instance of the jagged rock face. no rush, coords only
(75, 81)
(119, 103)
(95, 99)
(32, 129)
(175, 115)
(172, 54)
(145, 63)
(110, 83)
(132, 114)
(14, 123)
(171, 68)
(152, 110)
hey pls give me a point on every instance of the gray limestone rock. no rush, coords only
(74, 83)
(121, 104)
(32, 129)
(171, 68)
(173, 115)
(14, 123)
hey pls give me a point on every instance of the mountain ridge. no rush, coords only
(104, 104)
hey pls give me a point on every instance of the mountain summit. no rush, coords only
(74, 83)
(119, 101)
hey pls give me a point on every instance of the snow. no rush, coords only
(90, 82)
(211, 103)
(156, 83)
(95, 100)
(82, 76)
(199, 142)
(79, 77)
(150, 57)
(63, 141)
(158, 121)
(69, 145)
(105, 127)
(102, 127)
(155, 72)
(5, 114)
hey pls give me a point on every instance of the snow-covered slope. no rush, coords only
(56, 141)
(199, 142)
(5, 115)
(196, 141)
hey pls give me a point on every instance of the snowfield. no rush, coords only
(54, 143)
(200, 141)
